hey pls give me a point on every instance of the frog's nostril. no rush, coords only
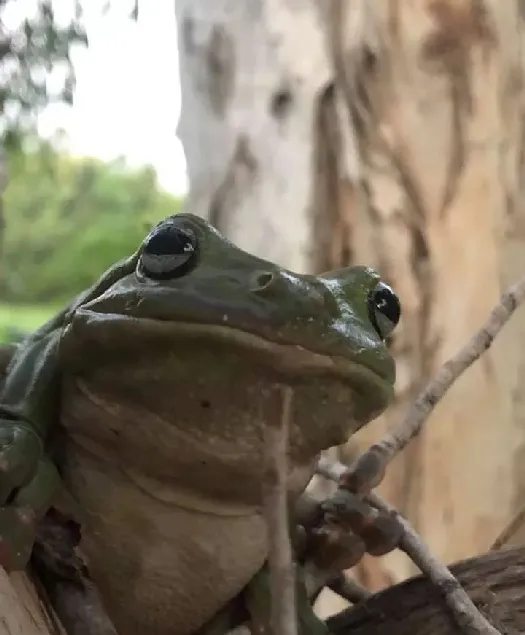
(263, 280)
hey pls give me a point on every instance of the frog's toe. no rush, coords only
(20, 451)
(18, 520)
(380, 531)
(334, 548)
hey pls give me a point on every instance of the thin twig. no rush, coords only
(467, 616)
(283, 610)
(368, 470)
(348, 589)
(316, 579)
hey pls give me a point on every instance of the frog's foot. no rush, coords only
(353, 527)
(28, 484)
(333, 548)
(366, 473)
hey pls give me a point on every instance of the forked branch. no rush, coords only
(467, 616)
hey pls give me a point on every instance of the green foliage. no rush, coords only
(17, 321)
(30, 49)
(69, 219)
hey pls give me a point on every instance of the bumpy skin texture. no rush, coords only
(153, 389)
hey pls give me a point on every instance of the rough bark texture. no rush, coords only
(440, 136)
(494, 582)
(390, 133)
(56, 597)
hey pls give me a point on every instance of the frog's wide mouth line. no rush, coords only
(289, 358)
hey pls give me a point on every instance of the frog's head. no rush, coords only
(200, 323)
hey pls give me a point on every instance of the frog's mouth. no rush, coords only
(289, 362)
(289, 357)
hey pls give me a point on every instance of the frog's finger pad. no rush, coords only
(17, 535)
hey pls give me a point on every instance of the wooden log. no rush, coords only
(21, 611)
(495, 582)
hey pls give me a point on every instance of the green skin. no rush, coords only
(160, 392)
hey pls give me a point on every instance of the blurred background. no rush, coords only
(313, 133)
(91, 158)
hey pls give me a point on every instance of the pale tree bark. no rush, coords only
(390, 133)
(21, 611)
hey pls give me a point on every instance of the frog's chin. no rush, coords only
(291, 359)
(289, 363)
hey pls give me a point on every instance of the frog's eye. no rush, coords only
(384, 309)
(168, 252)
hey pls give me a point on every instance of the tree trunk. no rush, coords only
(390, 133)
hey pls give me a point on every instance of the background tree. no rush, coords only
(388, 133)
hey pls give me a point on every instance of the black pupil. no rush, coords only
(386, 302)
(170, 241)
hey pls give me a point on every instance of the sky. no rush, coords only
(127, 97)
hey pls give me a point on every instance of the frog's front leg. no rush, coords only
(28, 479)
